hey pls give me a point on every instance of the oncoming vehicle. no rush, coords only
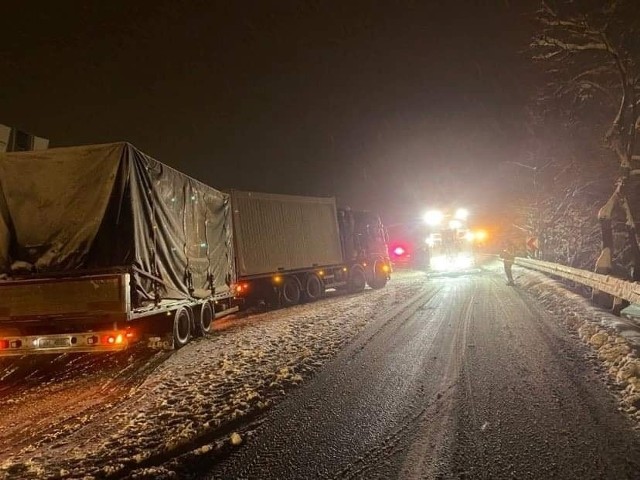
(451, 251)
(450, 242)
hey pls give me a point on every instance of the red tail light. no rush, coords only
(242, 288)
(114, 338)
(4, 344)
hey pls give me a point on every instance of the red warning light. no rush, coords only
(399, 251)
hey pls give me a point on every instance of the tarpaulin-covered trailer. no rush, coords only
(95, 238)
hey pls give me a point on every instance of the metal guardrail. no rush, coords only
(629, 291)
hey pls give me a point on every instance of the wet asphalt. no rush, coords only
(472, 379)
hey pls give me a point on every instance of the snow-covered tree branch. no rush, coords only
(592, 53)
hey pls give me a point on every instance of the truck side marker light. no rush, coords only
(364, 264)
(277, 279)
(344, 269)
(385, 268)
(119, 339)
(130, 335)
(321, 273)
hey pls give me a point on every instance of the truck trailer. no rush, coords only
(291, 249)
(102, 244)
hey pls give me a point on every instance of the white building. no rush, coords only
(14, 140)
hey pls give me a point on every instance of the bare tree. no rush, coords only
(593, 50)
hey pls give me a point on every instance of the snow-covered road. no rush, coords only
(125, 414)
(473, 380)
(458, 376)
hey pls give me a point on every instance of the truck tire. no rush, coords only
(181, 327)
(357, 279)
(313, 288)
(378, 277)
(290, 292)
(204, 321)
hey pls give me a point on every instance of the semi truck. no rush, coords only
(102, 246)
(291, 248)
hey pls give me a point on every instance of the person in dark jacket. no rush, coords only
(508, 257)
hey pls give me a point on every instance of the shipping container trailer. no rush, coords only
(290, 249)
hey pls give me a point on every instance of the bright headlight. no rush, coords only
(440, 263)
(444, 263)
(464, 261)
(461, 214)
(433, 217)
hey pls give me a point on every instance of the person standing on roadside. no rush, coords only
(508, 257)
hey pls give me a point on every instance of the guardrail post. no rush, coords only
(603, 267)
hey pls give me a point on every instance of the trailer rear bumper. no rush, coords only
(90, 313)
(102, 341)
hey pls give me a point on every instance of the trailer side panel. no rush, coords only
(284, 232)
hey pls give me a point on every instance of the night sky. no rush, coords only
(392, 106)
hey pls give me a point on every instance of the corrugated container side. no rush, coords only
(284, 232)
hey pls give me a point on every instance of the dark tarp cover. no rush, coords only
(104, 206)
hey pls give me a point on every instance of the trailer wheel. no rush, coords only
(357, 279)
(313, 288)
(290, 291)
(379, 277)
(203, 324)
(181, 328)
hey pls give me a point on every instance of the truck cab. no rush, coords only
(364, 242)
